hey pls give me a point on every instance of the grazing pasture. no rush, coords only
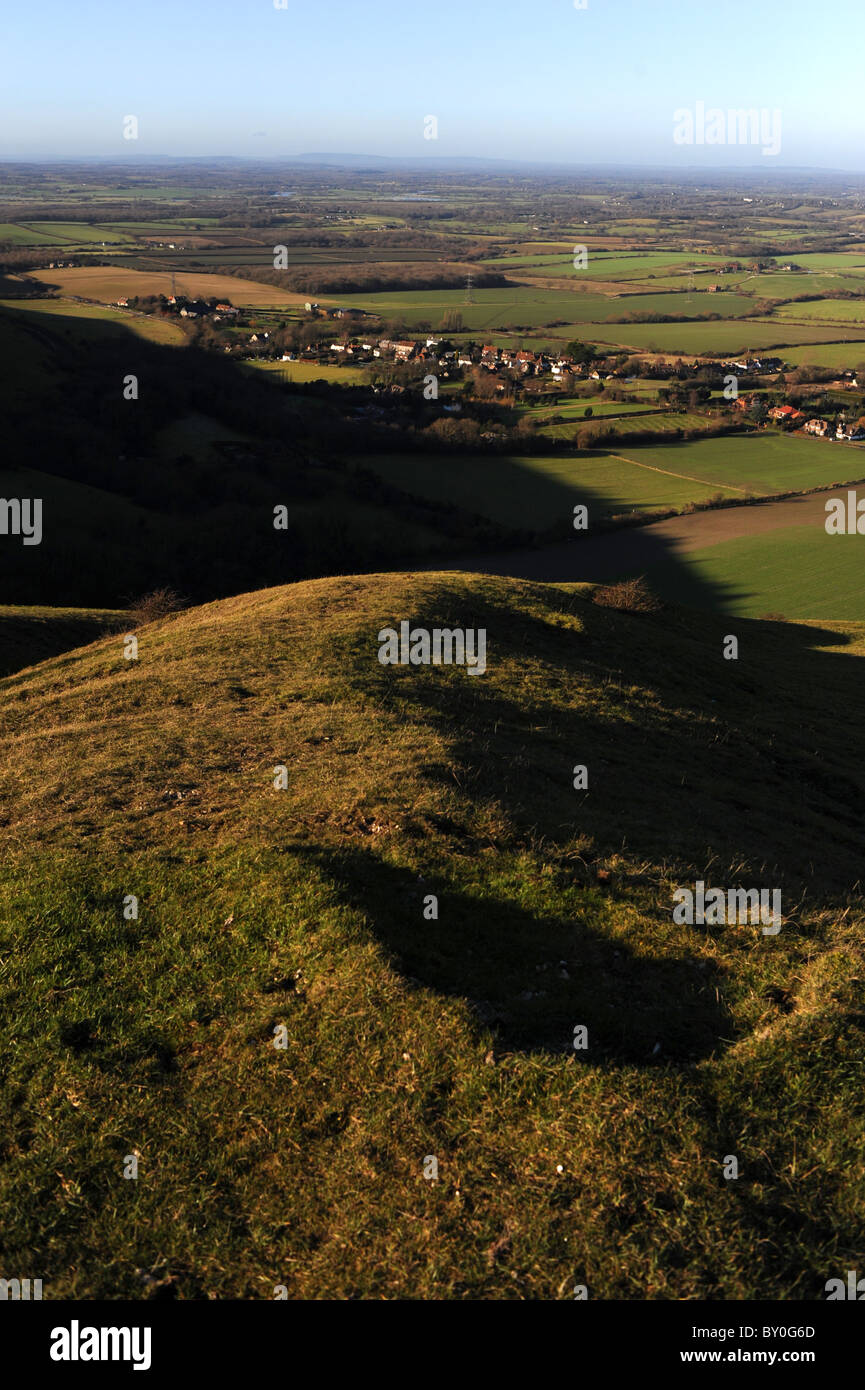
(537, 492)
(796, 571)
(697, 339)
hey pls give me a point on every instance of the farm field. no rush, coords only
(70, 317)
(576, 410)
(617, 266)
(531, 307)
(799, 572)
(538, 492)
(843, 356)
(17, 235)
(109, 283)
(655, 422)
(695, 339)
(825, 310)
(310, 371)
(78, 233)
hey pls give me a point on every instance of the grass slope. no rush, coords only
(406, 1037)
(32, 634)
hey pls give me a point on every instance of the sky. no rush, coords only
(539, 80)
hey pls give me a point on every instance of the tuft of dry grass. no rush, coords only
(628, 596)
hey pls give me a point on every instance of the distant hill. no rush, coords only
(148, 1028)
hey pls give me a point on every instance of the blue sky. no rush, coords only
(521, 79)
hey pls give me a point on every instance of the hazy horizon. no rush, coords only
(569, 87)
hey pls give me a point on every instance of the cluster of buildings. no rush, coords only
(327, 312)
(754, 366)
(843, 430)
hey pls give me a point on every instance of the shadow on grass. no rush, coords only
(533, 978)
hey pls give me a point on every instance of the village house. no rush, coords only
(404, 351)
(787, 414)
(816, 426)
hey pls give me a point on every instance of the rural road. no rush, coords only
(605, 556)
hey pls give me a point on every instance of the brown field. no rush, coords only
(109, 283)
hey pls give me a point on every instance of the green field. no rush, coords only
(538, 492)
(22, 236)
(81, 320)
(797, 571)
(843, 356)
(79, 233)
(311, 371)
(523, 305)
(696, 339)
(825, 310)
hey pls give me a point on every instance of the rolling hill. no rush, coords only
(302, 916)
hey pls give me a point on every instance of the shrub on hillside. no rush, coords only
(157, 604)
(628, 595)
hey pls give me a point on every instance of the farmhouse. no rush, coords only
(786, 414)
(816, 426)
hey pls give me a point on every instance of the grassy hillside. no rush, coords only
(28, 635)
(407, 1037)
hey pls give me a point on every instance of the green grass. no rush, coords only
(798, 571)
(311, 371)
(78, 233)
(24, 236)
(451, 1038)
(540, 492)
(825, 310)
(844, 356)
(85, 320)
(710, 337)
(521, 304)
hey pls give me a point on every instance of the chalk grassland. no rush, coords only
(541, 492)
(407, 1037)
(67, 317)
(108, 283)
(799, 572)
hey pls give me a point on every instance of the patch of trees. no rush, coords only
(367, 279)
